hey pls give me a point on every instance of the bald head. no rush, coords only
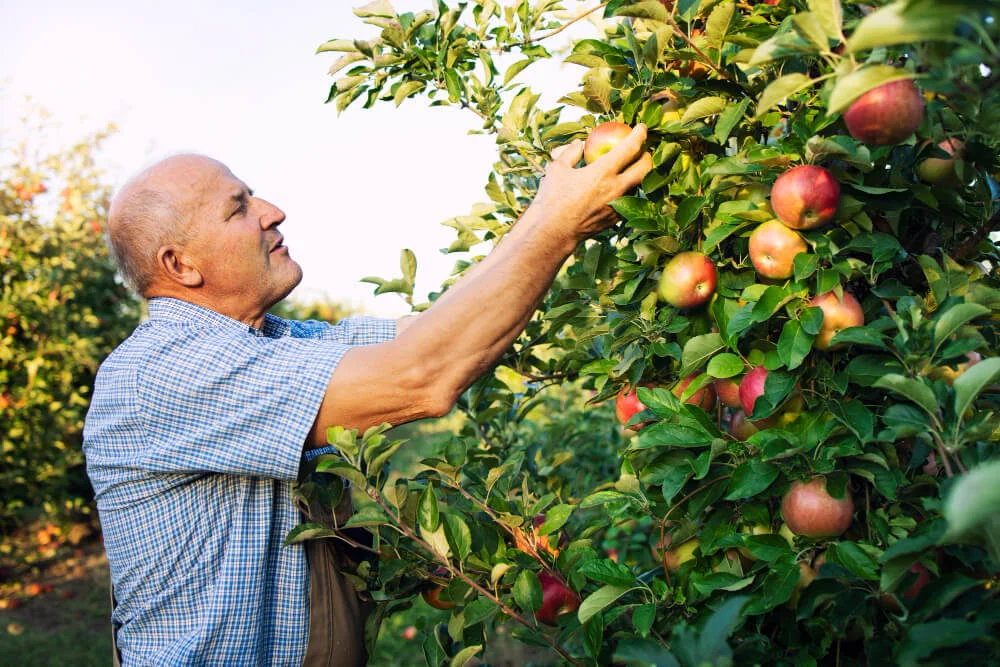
(152, 210)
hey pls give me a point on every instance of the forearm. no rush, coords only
(474, 322)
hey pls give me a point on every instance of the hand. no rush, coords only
(574, 201)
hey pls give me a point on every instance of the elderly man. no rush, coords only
(200, 420)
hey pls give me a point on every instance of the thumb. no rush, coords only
(568, 154)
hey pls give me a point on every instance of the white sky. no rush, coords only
(240, 81)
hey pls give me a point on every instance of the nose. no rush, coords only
(270, 215)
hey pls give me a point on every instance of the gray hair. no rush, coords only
(143, 220)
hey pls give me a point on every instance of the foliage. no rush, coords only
(62, 312)
(733, 94)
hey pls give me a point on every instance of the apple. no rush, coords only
(940, 170)
(688, 280)
(837, 315)
(432, 594)
(673, 558)
(807, 574)
(410, 633)
(728, 391)
(949, 374)
(809, 510)
(627, 405)
(603, 138)
(740, 427)
(886, 115)
(752, 387)
(805, 197)
(773, 247)
(704, 397)
(557, 599)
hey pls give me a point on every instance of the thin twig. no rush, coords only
(558, 30)
(969, 246)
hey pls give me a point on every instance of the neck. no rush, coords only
(230, 306)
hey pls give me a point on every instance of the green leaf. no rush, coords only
(780, 89)
(778, 586)
(427, 510)
(750, 478)
(855, 559)
(904, 23)
(515, 69)
(465, 655)
(643, 617)
(794, 344)
(725, 365)
(854, 415)
(598, 600)
(704, 107)
(528, 591)
(337, 466)
(648, 9)
(698, 350)
(458, 534)
(406, 90)
(717, 26)
(830, 16)
(915, 390)
(644, 652)
(729, 119)
(479, 610)
(859, 336)
(369, 515)
(970, 383)
(665, 434)
(951, 320)
(924, 639)
(606, 571)
(974, 499)
(810, 29)
(856, 84)
(307, 531)
(555, 518)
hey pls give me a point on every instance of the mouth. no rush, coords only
(279, 245)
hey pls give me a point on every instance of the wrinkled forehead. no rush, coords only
(192, 181)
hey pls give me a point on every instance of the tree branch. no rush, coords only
(969, 246)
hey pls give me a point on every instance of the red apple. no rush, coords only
(627, 405)
(603, 138)
(752, 387)
(410, 632)
(740, 427)
(432, 594)
(557, 599)
(886, 115)
(728, 391)
(837, 315)
(773, 247)
(923, 578)
(688, 280)
(809, 510)
(939, 170)
(805, 197)
(704, 397)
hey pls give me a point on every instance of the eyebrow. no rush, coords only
(240, 199)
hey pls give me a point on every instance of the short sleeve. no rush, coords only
(244, 407)
(350, 331)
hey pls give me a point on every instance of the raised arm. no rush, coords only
(437, 355)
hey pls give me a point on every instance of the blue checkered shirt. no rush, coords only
(193, 442)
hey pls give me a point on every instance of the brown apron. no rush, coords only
(336, 614)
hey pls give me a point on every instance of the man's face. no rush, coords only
(237, 246)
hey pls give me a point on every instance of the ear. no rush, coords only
(176, 269)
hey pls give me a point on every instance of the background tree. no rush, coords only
(62, 310)
(825, 167)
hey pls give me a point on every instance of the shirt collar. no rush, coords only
(174, 310)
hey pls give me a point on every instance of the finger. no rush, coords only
(638, 170)
(568, 154)
(626, 151)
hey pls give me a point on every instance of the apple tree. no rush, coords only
(61, 312)
(796, 318)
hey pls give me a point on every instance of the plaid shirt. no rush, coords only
(193, 442)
